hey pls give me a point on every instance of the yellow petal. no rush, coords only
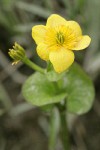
(38, 33)
(61, 59)
(42, 51)
(75, 27)
(83, 43)
(55, 20)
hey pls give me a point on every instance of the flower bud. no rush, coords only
(17, 53)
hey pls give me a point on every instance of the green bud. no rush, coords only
(17, 53)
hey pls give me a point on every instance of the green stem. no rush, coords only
(64, 128)
(32, 65)
(54, 128)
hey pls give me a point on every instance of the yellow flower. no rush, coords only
(57, 39)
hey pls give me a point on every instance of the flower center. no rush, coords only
(60, 38)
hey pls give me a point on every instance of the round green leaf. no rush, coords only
(80, 90)
(39, 91)
(54, 76)
(51, 74)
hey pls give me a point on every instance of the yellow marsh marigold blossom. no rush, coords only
(57, 39)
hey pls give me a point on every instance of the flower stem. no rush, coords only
(54, 128)
(33, 65)
(64, 133)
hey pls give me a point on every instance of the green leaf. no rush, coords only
(54, 76)
(39, 91)
(80, 90)
(51, 74)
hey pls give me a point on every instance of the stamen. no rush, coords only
(60, 38)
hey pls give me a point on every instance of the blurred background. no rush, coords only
(23, 127)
